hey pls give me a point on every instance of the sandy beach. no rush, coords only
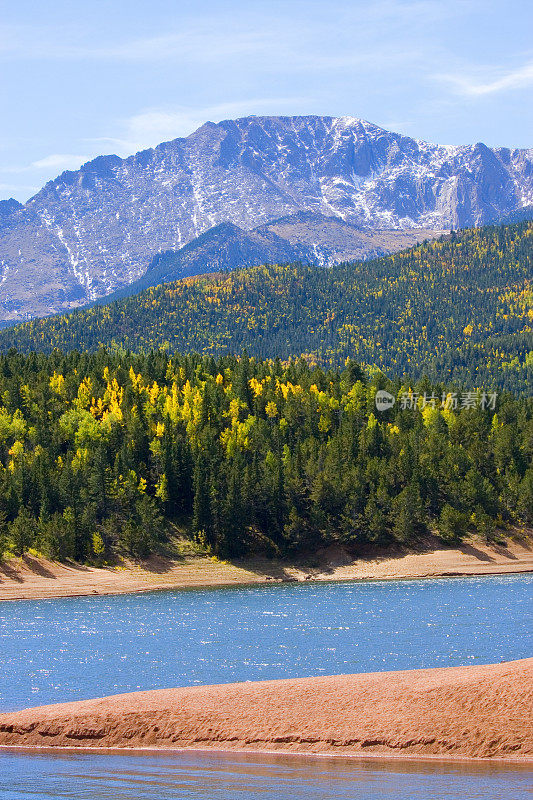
(35, 578)
(482, 712)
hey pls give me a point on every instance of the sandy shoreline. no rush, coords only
(35, 578)
(505, 762)
(473, 712)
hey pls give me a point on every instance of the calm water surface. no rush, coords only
(58, 650)
(247, 777)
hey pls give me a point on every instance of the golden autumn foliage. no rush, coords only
(99, 452)
(458, 308)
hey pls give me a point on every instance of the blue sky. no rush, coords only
(79, 79)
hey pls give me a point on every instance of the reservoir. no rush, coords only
(71, 649)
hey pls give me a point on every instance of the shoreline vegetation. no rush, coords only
(33, 578)
(474, 712)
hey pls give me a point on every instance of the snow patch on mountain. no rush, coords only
(103, 223)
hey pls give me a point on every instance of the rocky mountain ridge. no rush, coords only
(305, 237)
(92, 231)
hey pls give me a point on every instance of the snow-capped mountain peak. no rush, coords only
(91, 231)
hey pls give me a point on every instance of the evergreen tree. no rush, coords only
(202, 517)
(22, 531)
(453, 524)
(3, 534)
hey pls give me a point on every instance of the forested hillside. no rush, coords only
(457, 309)
(98, 453)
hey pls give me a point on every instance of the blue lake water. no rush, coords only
(209, 776)
(58, 650)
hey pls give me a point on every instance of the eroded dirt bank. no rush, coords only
(466, 712)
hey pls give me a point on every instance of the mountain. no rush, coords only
(458, 308)
(220, 249)
(8, 207)
(518, 215)
(310, 238)
(92, 231)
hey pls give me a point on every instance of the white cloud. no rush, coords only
(519, 78)
(19, 191)
(350, 33)
(395, 125)
(194, 42)
(156, 125)
(153, 126)
(59, 161)
(56, 161)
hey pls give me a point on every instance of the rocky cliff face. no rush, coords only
(90, 232)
